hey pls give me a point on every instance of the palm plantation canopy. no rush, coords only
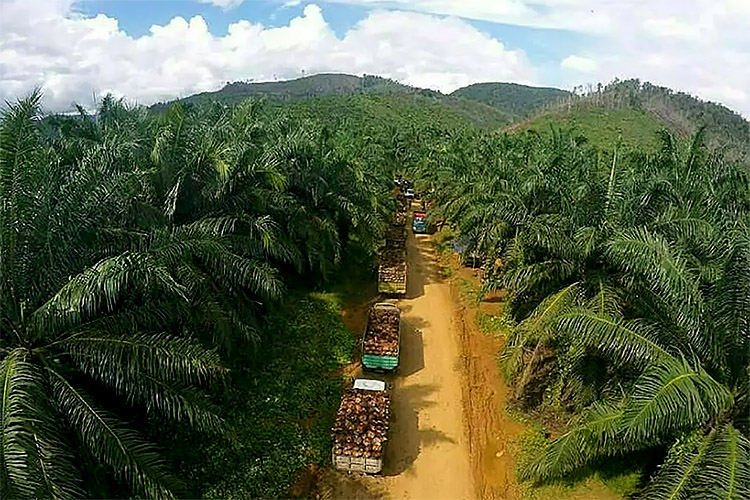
(632, 272)
(137, 255)
(140, 253)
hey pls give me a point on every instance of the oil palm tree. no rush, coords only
(86, 334)
(691, 389)
(666, 314)
(636, 263)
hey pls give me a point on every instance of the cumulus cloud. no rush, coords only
(578, 63)
(73, 58)
(699, 46)
(224, 4)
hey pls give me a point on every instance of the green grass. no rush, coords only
(470, 291)
(605, 128)
(497, 326)
(612, 479)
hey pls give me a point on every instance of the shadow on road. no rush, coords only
(406, 440)
(422, 267)
(334, 485)
(411, 358)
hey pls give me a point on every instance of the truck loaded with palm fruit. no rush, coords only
(396, 236)
(392, 271)
(360, 428)
(381, 339)
(392, 261)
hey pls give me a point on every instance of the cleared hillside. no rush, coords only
(603, 128)
(632, 110)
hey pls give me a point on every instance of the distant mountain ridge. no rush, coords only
(511, 100)
(319, 85)
(629, 109)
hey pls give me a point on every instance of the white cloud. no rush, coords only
(224, 4)
(74, 58)
(699, 46)
(579, 63)
(671, 27)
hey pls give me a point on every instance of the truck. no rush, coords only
(395, 237)
(419, 222)
(360, 428)
(392, 271)
(399, 219)
(381, 338)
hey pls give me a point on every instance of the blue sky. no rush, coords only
(159, 49)
(137, 16)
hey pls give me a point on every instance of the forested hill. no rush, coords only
(323, 84)
(342, 97)
(485, 105)
(521, 100)
(628, 112)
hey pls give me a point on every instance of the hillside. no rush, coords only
(342, 97)
(628, 112)
(631, 111)
(520, 100)
(324, 84)
(399, 110)
(602, 127)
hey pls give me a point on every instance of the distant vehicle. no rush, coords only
(419, 223)
(410, 194)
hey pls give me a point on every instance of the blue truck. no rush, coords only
(419, 222)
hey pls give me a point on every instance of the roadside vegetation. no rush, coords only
(279, 407)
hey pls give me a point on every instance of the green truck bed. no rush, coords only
(376, 362)
(392, 288)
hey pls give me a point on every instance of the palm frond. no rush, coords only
(101, 287)
(115, 359)
(19, 175)
(131, 458)
(634, 342)
(661, 267)
(678, 474)
(672, 396)
(593, 435)
(724, 472)
(17, 380)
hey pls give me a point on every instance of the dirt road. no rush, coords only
(428, 452)
(450, 436)
(428, 456)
